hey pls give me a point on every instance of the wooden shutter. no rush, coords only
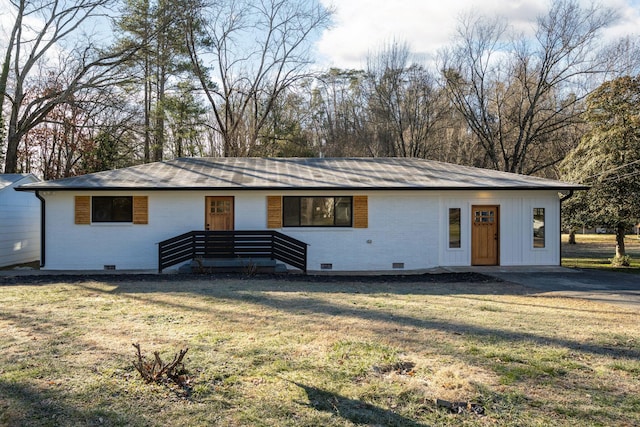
(360, 212)
(140, 209)
(83, 210)
(274, 211)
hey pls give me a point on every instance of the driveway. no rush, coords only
(621, 289)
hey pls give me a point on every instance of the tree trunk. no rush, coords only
(572, 235)
(11, 159)
(147, 85)
(620, 232)
(13, 136)
(147, 110)
(4, 74)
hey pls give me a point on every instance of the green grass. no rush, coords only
(596, 251)
(281, 353)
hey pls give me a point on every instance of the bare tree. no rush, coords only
(43, 48)
(6, 66)
(404, 100)
(246, 54)
(521, 95)
(338, 106)
(82, 135)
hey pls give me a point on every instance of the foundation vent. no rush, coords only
(109, 267)
(326, 266)
(398, 265)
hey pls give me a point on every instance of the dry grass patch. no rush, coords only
(284, 353)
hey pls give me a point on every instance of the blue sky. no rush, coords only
(363, 26)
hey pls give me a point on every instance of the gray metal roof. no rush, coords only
(6, 179)
(299, 173)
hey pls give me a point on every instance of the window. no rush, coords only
(112, 209)
(454, 227)
(484, 217)
(538, 227)
(316, 211)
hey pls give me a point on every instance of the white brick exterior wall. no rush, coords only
(409, 227)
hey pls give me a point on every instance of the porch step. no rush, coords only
(234, 265)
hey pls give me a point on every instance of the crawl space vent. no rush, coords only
(109, 267)
(326, 266)
(398, 265)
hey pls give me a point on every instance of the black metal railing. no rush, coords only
(232, 244)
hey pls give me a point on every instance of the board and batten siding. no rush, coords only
(19, 225)
(404, 230)
(516, 226)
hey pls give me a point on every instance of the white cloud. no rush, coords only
(362, 26)
(6, 21)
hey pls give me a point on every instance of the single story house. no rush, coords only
(350, 214)
(19, 221)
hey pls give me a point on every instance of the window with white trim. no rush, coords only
(454, 228)
(538, 228)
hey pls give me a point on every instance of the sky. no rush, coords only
(361, 27)
(365, 26)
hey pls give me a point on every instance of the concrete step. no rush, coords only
(234, 265)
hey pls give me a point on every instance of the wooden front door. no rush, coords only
(219, 213)
(484, 235)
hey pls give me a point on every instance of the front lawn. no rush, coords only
(274, 352)
(597, 250)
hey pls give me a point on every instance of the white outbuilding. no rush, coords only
(19, 221)
(314, 214)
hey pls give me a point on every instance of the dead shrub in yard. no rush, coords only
(159, 372)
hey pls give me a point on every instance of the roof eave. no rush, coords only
(320, 188)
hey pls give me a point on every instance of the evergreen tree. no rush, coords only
(155, 29)
(608, 159)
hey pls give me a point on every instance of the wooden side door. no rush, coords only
(484, 235)
(219, 213)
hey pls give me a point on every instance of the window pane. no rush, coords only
(538, 227)
(343, 211)
(100, 209)
(122, 210)
(454, 227)
(111, 209)
(306, 211)
(317, 211)
(322, 211)
(291, 211)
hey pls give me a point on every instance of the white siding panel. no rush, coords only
(19, 225)
(516, 226)
(455, 256)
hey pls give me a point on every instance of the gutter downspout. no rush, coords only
(562, 199)
(43, 223)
